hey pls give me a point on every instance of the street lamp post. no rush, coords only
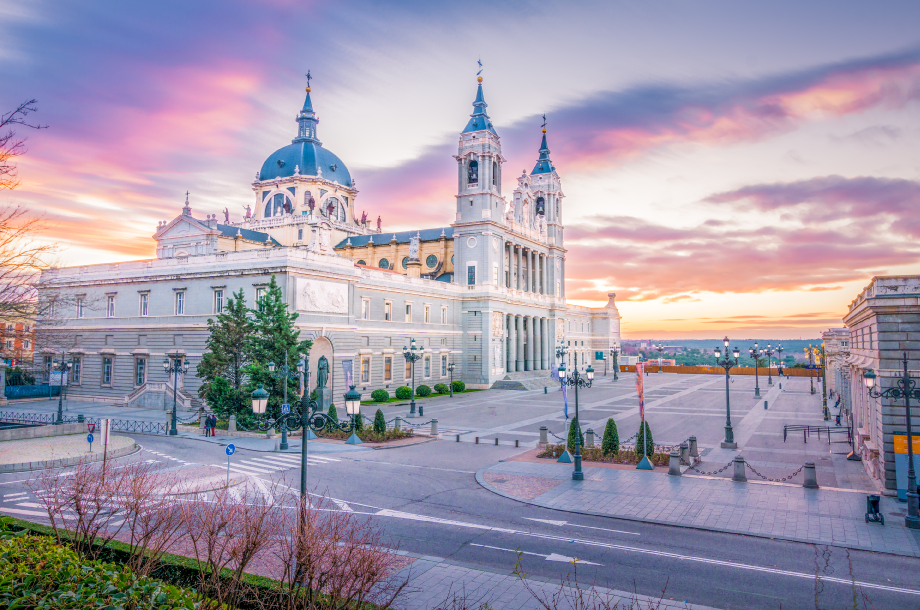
(906, 389)
(450, 369)
(412, 355)
(178, 365)
(779, 354)
(811, 363)
(576, 380)
(614, 353)
(727, 363)
(659, 348)
(284, 373)
(64, 367)
(768, 352)
(827, 412)
(755, 354)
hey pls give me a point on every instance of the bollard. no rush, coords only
(685, 453)
(811, 477)
(694, 449)
(458, 438)
(545, 390)
(517, 443)
(589, 438)
(80, 419)
(421, 411)
(780, 386)
(397, 423)
(738, 474)
(434, 427)
(278, 445)
(765, 405)
(231, 423)
(674, 464)
(477, 440)
(543, 439)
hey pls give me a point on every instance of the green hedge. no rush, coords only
(37, 573)
(380, 396)
(404, 392)
(459, 386)
(441, 388)
(423, 390)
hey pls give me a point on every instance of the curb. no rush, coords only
(227, 440)
(481, 481)
(44, 464)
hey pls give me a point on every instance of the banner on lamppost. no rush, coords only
(348, 368)
(640, 389)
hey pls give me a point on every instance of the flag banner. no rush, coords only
(640, 389)
(565, 401)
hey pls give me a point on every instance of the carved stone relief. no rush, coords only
(317, 295)
(497, 326)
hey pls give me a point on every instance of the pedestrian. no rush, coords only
(838, 418)
(209, 425)
(213, 424)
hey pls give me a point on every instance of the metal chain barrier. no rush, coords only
(786, 478)
(197, 416)
(714, 472)
(669, 448)
(414, 425)
(557, 437)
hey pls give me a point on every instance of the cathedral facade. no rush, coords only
(485, 292)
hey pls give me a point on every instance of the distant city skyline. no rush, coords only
(729, 169)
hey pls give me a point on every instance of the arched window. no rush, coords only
(494, 173)
(473, 173)
(384, 263)
(278, 206)
(362, 262)
(541, 206)
(405, 262)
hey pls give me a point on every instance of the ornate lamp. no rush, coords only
(259, 400)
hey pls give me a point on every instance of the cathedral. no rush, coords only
(484, 293)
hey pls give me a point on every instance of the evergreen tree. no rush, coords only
(610, 445)
(359, 422)
(225, 354)
(645, 436)
(334, 416)
(380, 423)
(274, 339)
(572, 431)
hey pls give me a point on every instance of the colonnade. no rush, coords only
(528, 343)
(526, 269)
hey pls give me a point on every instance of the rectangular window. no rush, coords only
(427, 314)
(260, 294)
(366, 369)
(75, 372)
(443, 365)
(106, 370)
(218, 301)
(48, 363)
(471, 275)
(80, 310)
(388, 310)
(427, 367)
(25, 344)
(388, 368)
(408, 370)
(110, 307)
(9, 344)
(140, 372)
(365, 309)
(180, 303)
(408, 312)
(299, 234)
(145, 300)
(443, 315)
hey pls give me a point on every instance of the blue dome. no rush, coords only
(310, 157)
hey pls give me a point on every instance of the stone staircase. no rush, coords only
(160, 396)
(525, 381)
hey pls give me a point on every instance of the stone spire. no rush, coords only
(479, 120)
(544, 164)
(307, 121)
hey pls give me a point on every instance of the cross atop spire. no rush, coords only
(544, 164)
(306, 119)
(479, 120)
(187, 209)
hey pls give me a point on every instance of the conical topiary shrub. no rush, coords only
(610, 446)
(333, 416)
(359, 422)
(380, 424)
(572, 430)
(645, 437)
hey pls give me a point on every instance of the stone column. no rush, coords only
(517, 274)
(543, 272)
(512, 344)
(519, 352)
(544, 353)
(528, 363)
(506, 279)
(537, 347)
(533, 272)
(525, 285)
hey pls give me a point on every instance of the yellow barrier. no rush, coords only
(718, 370)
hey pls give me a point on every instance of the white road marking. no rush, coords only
(550, 557)
(345, 507)
(265, 493)
(603, 529)
(28, 513)
(21, 493)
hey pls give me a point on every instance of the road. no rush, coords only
(428, 502)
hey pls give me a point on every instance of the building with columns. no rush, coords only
(485, 292)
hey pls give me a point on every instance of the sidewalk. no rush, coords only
(789, 512)
(268, 444)
(54, 451)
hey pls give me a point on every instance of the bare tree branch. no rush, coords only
(12, 145)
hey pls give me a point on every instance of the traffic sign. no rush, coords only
(285, 409)
(231, 449)
(89, 439)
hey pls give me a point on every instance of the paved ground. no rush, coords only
(55, 448)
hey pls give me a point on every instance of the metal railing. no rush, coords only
(117, 425)
(807, 430)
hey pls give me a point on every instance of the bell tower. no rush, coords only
(479, 167)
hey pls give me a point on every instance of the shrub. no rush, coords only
(581, 436)
(611, 443)
(380, 395)
(404, 392)
(423, 390)
(334, 416)
(645, 436)
(441, 388)
(459, 386)
(359, 422)
(380, 423)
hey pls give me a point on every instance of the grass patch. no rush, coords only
(406, 401)
(368, 435)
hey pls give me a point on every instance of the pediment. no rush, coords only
(182, 227)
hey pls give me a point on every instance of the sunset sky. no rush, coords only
(729, 167)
